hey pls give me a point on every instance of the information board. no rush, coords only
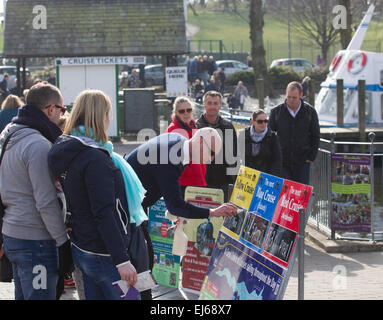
(252, 259)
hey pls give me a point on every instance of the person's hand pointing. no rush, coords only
(224, 210)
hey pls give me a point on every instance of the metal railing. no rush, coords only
(321, 179)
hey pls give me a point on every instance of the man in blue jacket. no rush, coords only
(160, 162)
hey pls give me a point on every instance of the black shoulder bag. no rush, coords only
(2, 207)
(6, 272)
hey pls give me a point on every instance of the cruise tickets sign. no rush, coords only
(251, 259)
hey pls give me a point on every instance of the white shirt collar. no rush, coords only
(294, 114)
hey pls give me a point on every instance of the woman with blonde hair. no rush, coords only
(9, 109)
(104, 198)
(183, 123)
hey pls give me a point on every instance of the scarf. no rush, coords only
(33, 117)
(185, 126)
(134, 190)
(256, 138)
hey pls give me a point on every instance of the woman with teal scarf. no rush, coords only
(104, 197)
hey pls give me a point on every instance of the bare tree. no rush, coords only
(257, 48)
(313, 21)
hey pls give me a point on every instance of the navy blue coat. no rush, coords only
(95, 194)
(159, 174)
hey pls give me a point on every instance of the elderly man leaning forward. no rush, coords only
(160, 162)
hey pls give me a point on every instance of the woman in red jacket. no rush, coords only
(183, 123)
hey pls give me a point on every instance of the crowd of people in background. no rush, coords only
(107, 195)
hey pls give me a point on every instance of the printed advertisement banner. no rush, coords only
(284, 227)
(166, 265)
(202, 235)
(238, 273)
(351, 192)
(261, 211)
(251, 259)
(241, 196)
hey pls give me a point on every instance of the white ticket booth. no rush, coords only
(77, 74)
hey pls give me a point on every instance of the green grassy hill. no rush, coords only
(234, 31)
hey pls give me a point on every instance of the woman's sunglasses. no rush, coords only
(262, 121)
(188, 110)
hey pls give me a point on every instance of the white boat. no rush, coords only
(351, 65)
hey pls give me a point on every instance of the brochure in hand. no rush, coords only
(145, 281)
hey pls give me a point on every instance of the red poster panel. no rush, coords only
(284, 227)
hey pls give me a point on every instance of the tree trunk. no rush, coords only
(257, 48)
(193, 9)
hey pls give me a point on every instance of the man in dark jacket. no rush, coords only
(297, 125)
(160, 162)
(218, 173)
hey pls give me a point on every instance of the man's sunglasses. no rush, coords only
(63, 109)
(262, 121)
(212, 153)
(188, 110)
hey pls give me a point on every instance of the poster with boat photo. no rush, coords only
(351, 193)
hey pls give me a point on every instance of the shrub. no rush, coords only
(318, 75)
(282, 76)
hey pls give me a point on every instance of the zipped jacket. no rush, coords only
(95, 195)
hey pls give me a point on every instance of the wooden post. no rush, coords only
(24, 74)
(260, 93)
(362, 109)
(18, 77)
(339, 103)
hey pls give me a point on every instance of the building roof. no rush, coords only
(76, 28)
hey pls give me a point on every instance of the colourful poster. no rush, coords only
(244, 187)
(261, 210)
(202, 235)
(351, 192)
(166, 265)
(284, 227)
(241, 196)
(238, 273)
(251, 259)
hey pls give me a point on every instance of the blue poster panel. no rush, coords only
(261, 211)
(236, 272)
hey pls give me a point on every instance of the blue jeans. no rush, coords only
(35, 266)
(300, 174)
(99, 272)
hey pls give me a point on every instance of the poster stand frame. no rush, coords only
(300, 247)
